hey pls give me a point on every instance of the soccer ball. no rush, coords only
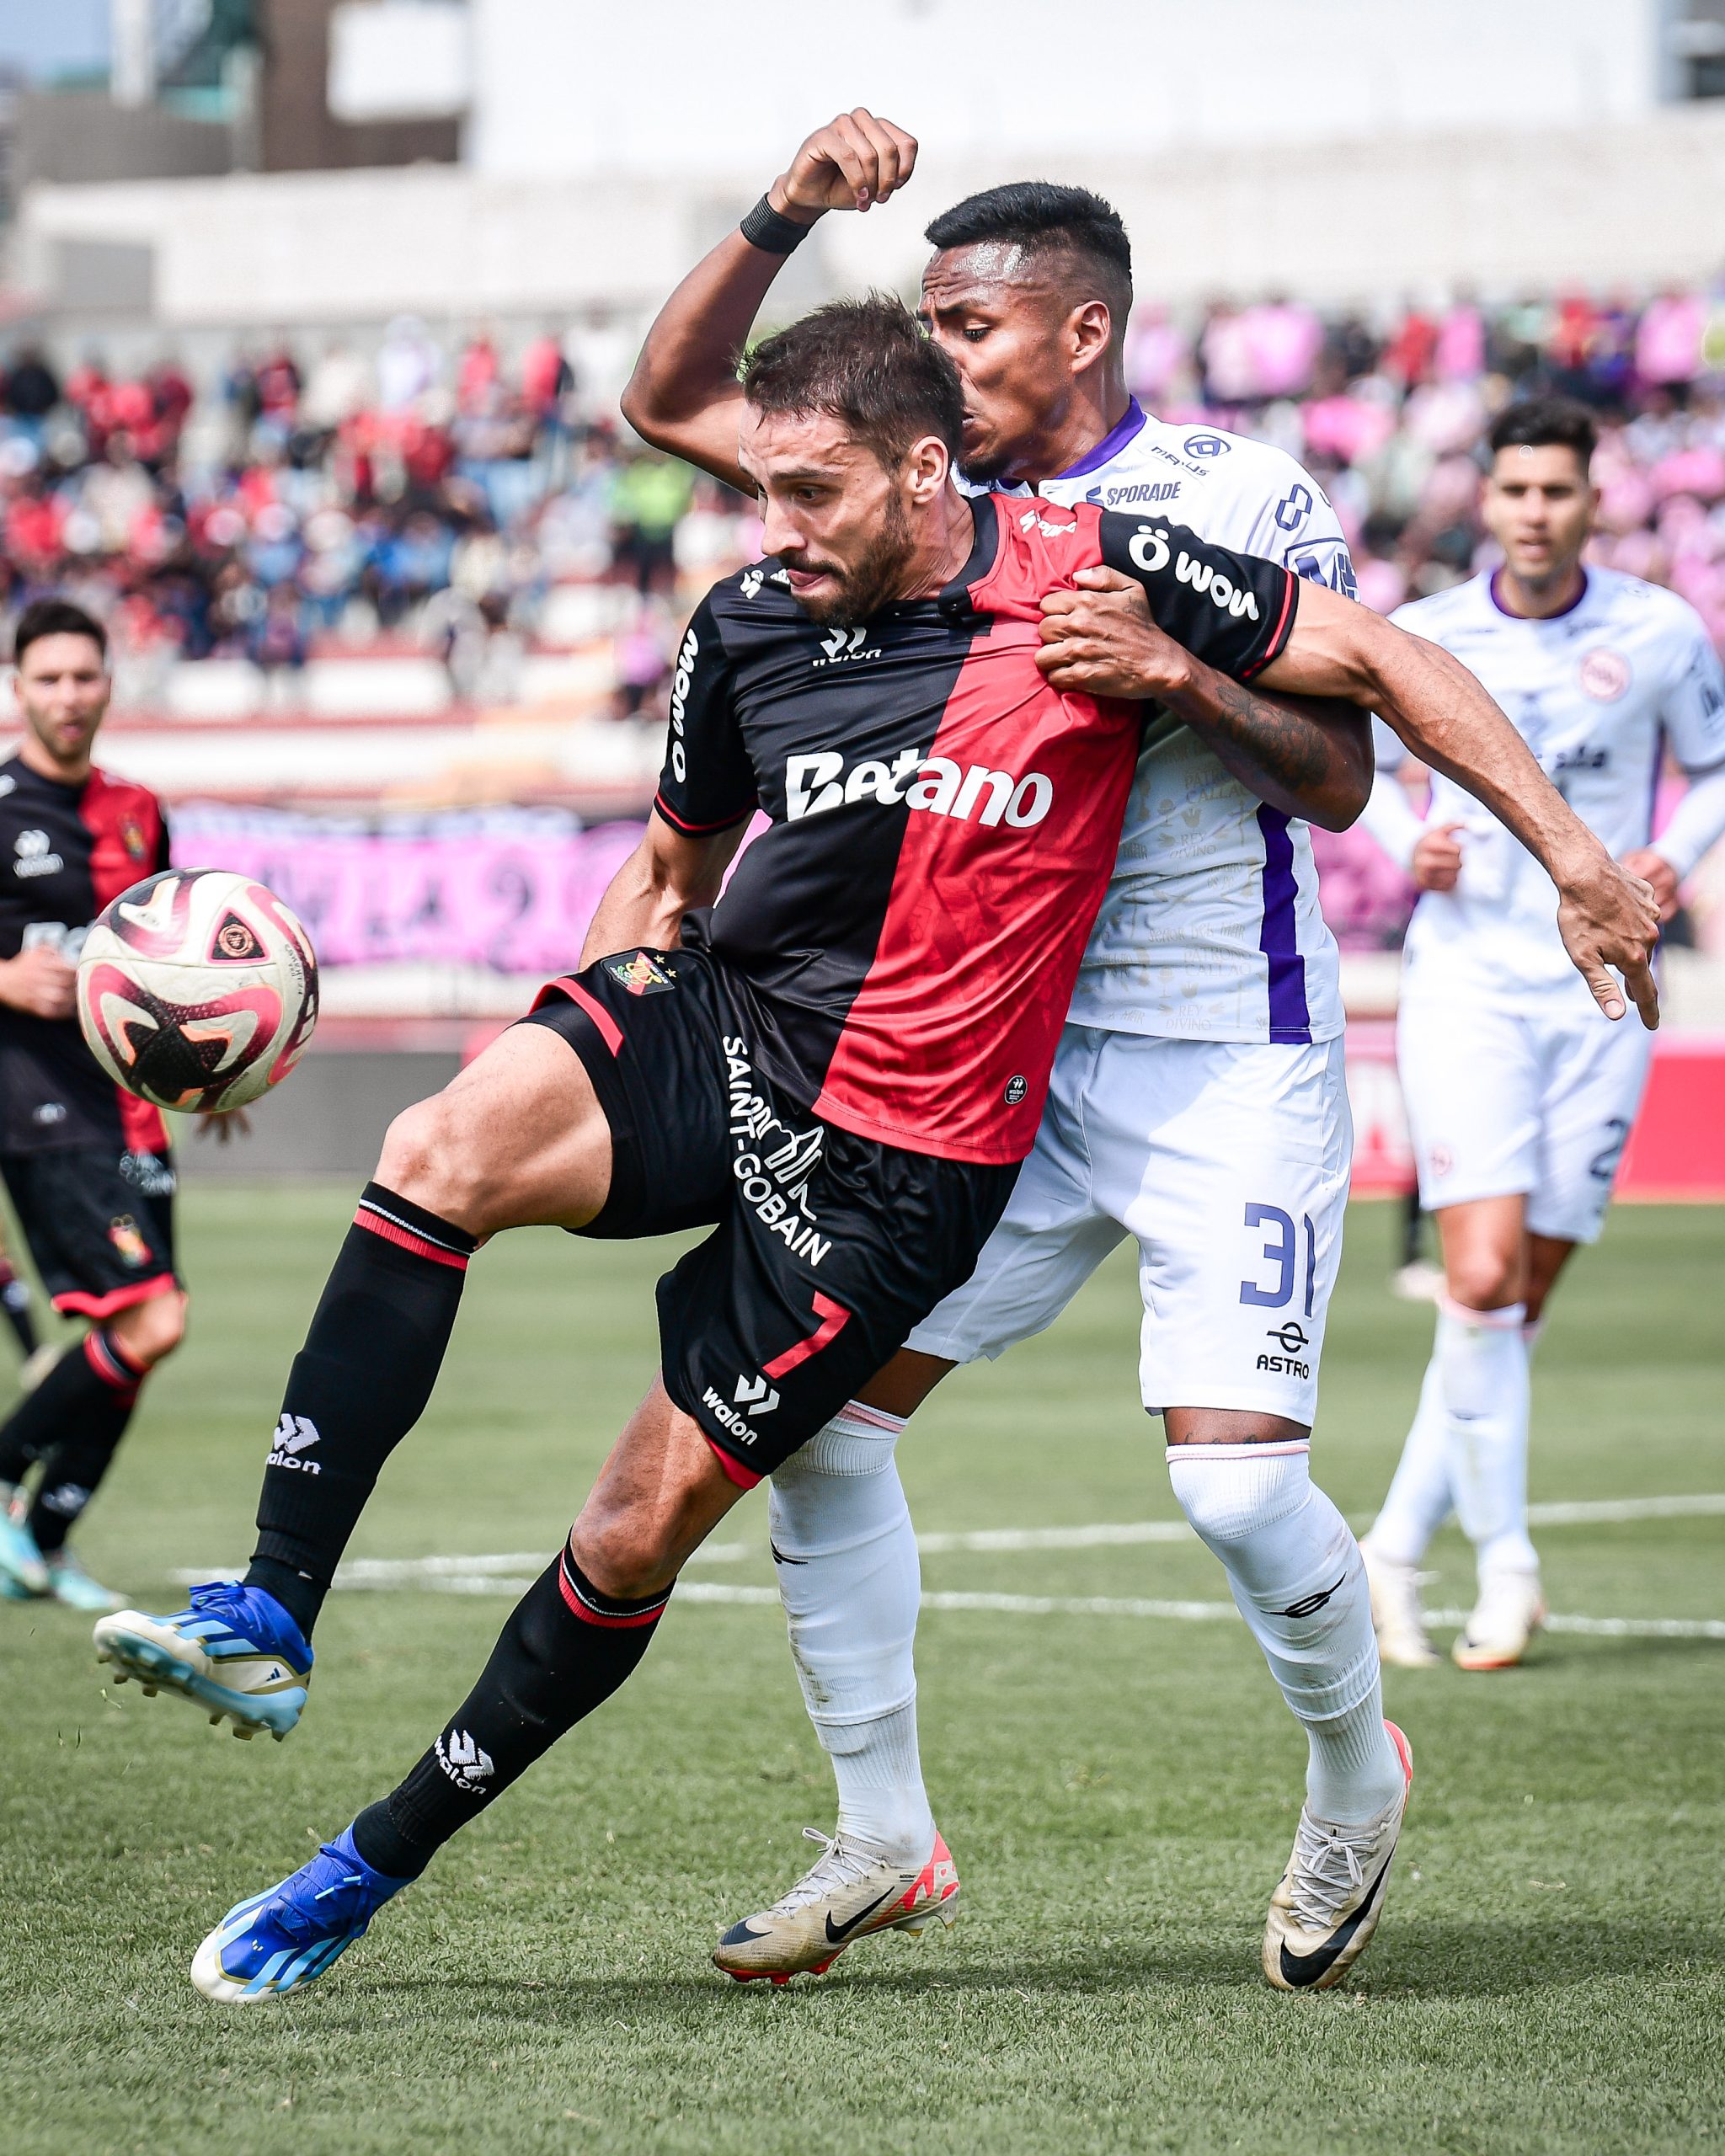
(197, 989)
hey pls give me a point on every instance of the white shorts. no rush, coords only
(1228, 1162)
(1504, 1103)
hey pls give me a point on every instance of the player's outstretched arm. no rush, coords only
(1308, 756)
(667, 876)
(683, 396)
(1607, 917)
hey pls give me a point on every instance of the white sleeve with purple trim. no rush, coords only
(1210, 929)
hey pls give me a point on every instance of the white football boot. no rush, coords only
(1510, 1610)
(1323, 1913)
(848, 1894)
(1396, 1615)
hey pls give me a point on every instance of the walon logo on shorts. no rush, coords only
(295, 1434)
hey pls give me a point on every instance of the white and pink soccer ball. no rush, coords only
(197, 989)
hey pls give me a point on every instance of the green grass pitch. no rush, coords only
(1121, 1791)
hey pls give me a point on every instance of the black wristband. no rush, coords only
(765, 229)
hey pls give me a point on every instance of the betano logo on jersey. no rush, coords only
(818, 783)
(1151, 548)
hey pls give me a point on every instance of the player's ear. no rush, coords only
(926, 464)
(1089, 330)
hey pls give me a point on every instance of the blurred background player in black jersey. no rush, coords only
(87, 1167)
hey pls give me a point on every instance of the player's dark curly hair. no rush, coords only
(1545, 423)
(867, 362)
(55, 617)
(1044, 219)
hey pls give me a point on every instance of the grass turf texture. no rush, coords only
(1121, 1793)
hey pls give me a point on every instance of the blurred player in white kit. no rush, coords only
(1520, 1096)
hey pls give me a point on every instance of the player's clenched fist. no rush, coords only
(1436, 864)
(38, 981)
(1101, 639)
(852, 164)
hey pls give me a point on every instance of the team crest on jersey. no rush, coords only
(1605, 676)
(123, 1234)
(642, 975)
(131, 837)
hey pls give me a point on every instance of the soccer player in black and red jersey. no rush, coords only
(87, 1165)
(838, 1065)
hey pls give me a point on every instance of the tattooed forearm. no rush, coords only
(1306, 756)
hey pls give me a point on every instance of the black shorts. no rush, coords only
(829, 1247)
(99, 1224)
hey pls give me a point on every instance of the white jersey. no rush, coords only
(1596, 692)
(1210, 928)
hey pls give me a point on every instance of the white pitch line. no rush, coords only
(468, 1575)
(1198, 1613)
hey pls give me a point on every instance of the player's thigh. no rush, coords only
(658, 1495)
(1594, 1075)
(789, 1309)
(1051, 1238)
(1239, 1226)
(1471, 1080)
(516, 1140)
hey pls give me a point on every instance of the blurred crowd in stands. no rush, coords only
(438, 494)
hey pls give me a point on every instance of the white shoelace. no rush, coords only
(1329, 1867)
(842, 1865)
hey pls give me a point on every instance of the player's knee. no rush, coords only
(432, 1157)
(1485, 1278)
(150, 1332)
(627, 1554)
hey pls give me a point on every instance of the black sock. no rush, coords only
(564, 1651)
(94, 1388)
(15, 1308)
(85, 1380)
(357, 1387)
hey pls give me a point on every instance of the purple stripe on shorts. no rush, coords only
(1279, 938)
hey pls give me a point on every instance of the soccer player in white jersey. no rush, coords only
(1519, 1095)
(1198, 1104)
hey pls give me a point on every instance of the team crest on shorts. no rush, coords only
(123, 1234)
(642, 975)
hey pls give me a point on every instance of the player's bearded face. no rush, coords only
(854, 591)
(835, 516)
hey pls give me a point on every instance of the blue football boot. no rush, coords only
(286, 1937)
(23, 1575)
(234, 1652)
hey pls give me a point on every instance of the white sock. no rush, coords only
(1531, 1333)
(1297, 1577)
(1484, 1365)
(850, 1580)
(1419, 1497)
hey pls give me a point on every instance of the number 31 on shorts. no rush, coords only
(1281, 1253)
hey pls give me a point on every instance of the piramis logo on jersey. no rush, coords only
(642, 975)
(1151, 548)
(818, 783)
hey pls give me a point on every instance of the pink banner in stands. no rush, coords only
(513, 891)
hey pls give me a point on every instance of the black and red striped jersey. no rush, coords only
(66, 852)
(941, 823)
